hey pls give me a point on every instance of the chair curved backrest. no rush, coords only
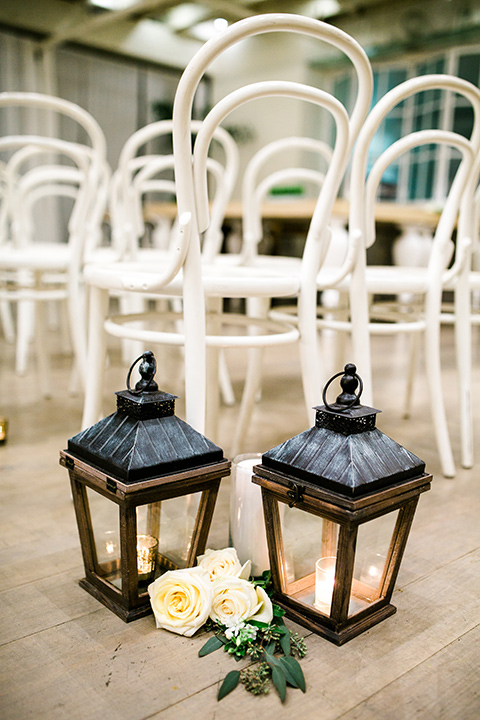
(124, 187)
(94, 148)
(128, 216)
(272, 22)
(255, 188)
(84, 223)
(192, 191)
(38, 183)
(64, 108)
(372, 123)
(442, 247)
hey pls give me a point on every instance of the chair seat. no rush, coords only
(383, 279)
(274, 263)
(102, 255)
(38, 256)
(220, 279)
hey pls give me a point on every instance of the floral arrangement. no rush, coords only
(219, 595)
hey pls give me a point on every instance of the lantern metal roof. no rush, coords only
(344, 451)
(144, 438)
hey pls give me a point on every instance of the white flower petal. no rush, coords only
(246, 570)
(264, 610)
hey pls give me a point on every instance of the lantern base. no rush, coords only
(127, 615)
(339, 637)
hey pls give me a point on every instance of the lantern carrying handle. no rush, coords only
(349, 372)
(147, 377)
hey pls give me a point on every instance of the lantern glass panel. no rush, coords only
(177, 522)
(374, 539)
(309, 543)
(106, 535)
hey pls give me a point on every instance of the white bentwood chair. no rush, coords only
(212, 282)
(362, 281)
(27, 259)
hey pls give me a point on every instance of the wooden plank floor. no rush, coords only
(64, 656)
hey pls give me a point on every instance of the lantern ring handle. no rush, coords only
(350, 404)
(150, 380)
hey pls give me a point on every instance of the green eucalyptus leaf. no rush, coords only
(295, 670)
(280, 682)
(272, 660)
(285, 641)
(278, 611)
(210, 646)
(229, 684)
(290, 677)
(270, 648)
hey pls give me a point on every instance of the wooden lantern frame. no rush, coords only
(128, 603)
(349, 514)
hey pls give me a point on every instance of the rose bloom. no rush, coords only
(181, 600)
(236, 600)
(224, 563)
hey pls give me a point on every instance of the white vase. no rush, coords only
(247, 524)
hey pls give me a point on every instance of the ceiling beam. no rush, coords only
(228, 9)
(75, 30)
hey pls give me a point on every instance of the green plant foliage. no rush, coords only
(229, 684)
(256, 679)
(272, 646)
(212, 644)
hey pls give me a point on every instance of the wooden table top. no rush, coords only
(302, 209)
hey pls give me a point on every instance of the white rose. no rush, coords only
(236, 600)
(181, 600)
(223, 563)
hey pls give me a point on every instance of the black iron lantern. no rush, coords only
(144, 486)
(339, 501)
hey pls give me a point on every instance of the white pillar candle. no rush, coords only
(324, 582)
(247, 524)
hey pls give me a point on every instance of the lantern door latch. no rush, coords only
(111, 485)
(295, 494)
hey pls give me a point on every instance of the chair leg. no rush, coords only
(214, 309)
(312, 372)
(412, 363)
(226, 389)
(41, 330)
(252, 384)
(434, 383)
(25, 330)
(195, 340)
(132, 349)
(8, 325)
(96, 356)
(463, 348)
(77, 323)
(359, 313)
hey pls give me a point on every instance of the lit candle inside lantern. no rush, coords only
(146, 555)
(110, 546)
(324, 582)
